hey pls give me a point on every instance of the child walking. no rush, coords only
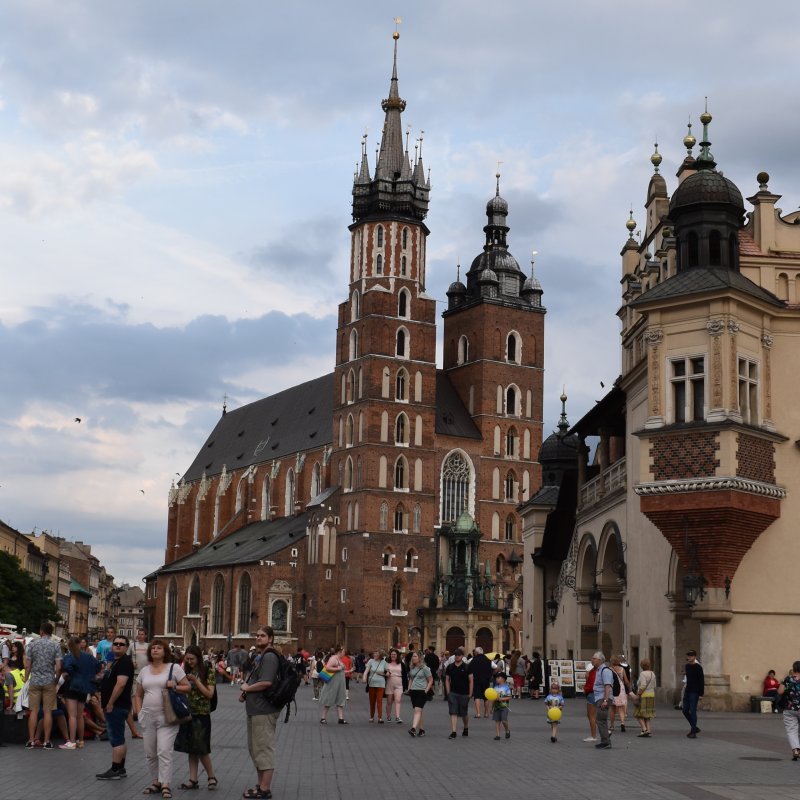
(554, 700)
(500, 713)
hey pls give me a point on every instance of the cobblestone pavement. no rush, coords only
(736, 756)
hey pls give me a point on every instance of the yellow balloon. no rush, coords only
(554, 714)
(491, 694)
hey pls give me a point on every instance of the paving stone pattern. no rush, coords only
(736, 756)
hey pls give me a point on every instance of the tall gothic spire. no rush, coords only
(390, 159)
(397, 188)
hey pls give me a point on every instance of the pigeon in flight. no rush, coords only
(77, 419)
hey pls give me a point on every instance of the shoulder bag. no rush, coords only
(176, 704)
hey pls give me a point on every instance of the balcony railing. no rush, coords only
(610, 481)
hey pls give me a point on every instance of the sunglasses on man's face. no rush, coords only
(119, 644)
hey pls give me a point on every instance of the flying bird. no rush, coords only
(77, 419)
(141, 490)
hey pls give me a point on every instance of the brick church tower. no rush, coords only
(385, 377)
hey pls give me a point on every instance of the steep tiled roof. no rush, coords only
(452, 418)
(248, 545)
(297, 419)
(698, 280)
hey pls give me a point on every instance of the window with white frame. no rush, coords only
(399, 519)
(387, 559)
(463, 350)
(400, 474)
(748, 390)
(397, 597)
(401, 385)
(401, 430)
(688, 383)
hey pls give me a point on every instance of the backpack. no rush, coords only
(616, 686)
(283, 689)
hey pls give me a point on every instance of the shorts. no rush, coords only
(44, 696)
(458, 704)
(418, 698)
(500, 714)
(71, 694)
(261, 739)
(115, 725)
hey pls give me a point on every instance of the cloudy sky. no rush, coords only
(175, 190)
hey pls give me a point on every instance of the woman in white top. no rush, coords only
(376, 672)
(148, 703)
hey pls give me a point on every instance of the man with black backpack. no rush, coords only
(262, 715)
(604, 686)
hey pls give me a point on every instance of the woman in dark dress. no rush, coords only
(535, 677)
(194, 737)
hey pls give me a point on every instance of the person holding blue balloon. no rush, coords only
(554, 702)
(500, 696)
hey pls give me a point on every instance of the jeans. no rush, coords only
(602, 722)
(690, 700)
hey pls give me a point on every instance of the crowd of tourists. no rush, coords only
(98, 692)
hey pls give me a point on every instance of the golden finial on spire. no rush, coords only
(497, 177)
(689, 141)
(656, 159)
(631, 224)
(705, 117)
(396, 34)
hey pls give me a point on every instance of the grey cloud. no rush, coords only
(305, 251)
(77, 351)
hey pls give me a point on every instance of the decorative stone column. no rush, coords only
(655, 405)
(716, 409)
(766, 381)
(714, 612)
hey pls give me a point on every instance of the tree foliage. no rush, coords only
(23, 600)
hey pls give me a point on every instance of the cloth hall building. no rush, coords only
(678, 533)
(375, 505)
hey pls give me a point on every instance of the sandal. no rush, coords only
(153, 788)
(257, 794)
(190, 784)
(166, 793)
(212, 783)
(323, 722)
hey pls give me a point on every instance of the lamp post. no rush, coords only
(694, 582)
(552, 608)
(595, 598)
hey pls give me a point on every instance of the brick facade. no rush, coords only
(755, 458)
(684, 455)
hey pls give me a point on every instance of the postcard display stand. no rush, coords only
(571, 675)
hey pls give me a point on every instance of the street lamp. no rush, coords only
(693, 588)
(595, 598)
(694, 582)
(552, 608)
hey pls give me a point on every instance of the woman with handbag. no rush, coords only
(376, 672)
(194, 736)
(420, 689)
(156, 681)
(646, 702)
(333, 692)
(789, 702)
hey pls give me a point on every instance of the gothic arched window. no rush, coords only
(243, 616)
(217, 606)
(194, 596)
(456, 474)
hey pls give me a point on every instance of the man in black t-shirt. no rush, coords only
(458, 686)
(115, 696)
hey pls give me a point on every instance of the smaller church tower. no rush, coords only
(494, 357)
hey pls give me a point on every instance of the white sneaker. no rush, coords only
(68, 746)
(590, 739)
